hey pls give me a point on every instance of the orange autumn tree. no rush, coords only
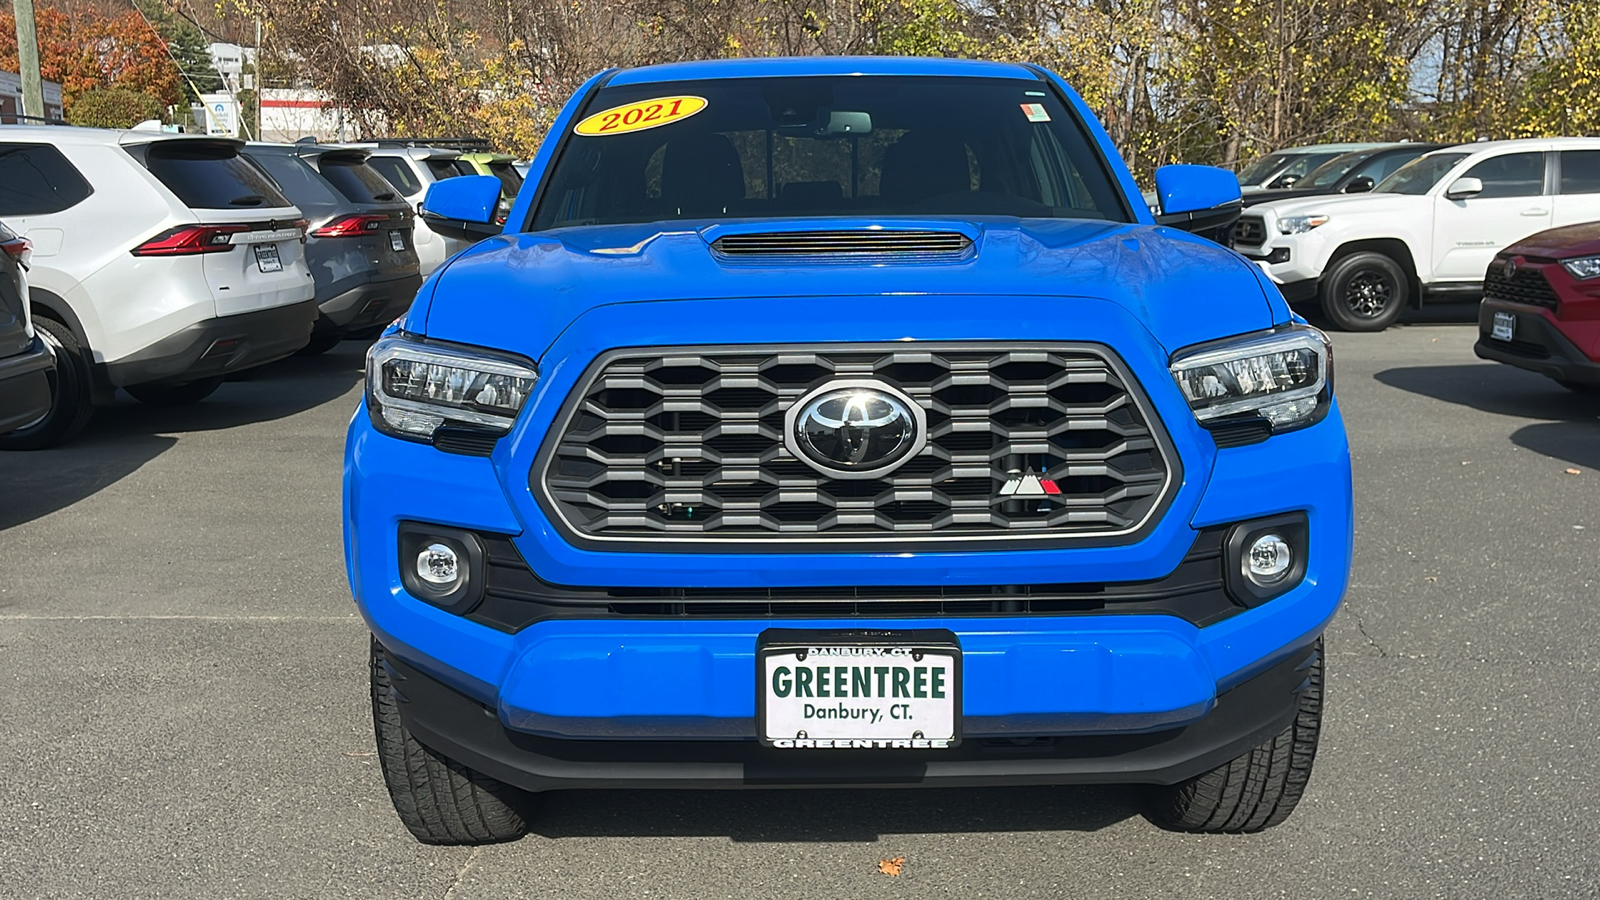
(88, 50)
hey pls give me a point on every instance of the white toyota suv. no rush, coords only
(161, 263)
(1428, 230)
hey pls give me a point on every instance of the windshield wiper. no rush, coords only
(247, 200)
(385, 196)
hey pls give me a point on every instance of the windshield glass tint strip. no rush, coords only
(832, 146)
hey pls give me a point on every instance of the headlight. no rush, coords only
(1300, 224)
(414, 387)
(1583, 269)
(1283, 376)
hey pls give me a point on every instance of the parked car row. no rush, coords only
(161, 264)
(1427, 230)
(359, 244)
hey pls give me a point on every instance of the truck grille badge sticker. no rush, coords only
(1029, 485)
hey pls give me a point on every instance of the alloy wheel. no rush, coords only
(1368, 294)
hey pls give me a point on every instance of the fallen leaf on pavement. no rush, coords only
(891, 867)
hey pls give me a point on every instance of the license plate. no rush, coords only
(869, 690)
(267, 258)
(397, 241)
(1505, 327)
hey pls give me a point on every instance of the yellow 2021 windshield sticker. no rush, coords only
(641, 115)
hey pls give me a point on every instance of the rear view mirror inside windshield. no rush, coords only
(845, 122)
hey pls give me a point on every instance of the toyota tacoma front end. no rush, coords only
(844, 422)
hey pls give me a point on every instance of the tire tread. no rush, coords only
(1256, 790)
(439, 800)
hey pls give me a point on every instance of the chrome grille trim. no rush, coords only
(1251, 230)
(650, 439)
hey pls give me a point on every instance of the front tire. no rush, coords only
(1364, 292)
(1257, 790)
(175, 394)
(440, 800)
(70, 401)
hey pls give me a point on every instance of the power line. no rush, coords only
(167, 48)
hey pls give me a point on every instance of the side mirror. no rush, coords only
(1284, 183)
(1360, 185)
(1464, 188)
(1197, 198)
(462, 207)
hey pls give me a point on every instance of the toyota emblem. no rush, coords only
(855, 428)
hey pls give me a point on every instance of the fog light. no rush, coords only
(438, 565)
(1269, 559)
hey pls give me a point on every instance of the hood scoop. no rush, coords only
(850, 244)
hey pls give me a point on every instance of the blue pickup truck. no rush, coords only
(826, 422)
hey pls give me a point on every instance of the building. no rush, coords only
(230, 61)
(11, 99)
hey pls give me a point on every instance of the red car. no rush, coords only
(1541, 306)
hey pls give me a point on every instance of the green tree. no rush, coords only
(113, 108)
(187, 44)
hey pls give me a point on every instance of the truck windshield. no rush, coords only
(1419, 175)
(1266, 166)
(827, 146)
(1329, 173)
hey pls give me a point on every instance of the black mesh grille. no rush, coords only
(688, 444)
(1528, 285)
(830, 243)
(515, 597)
(1249, 230)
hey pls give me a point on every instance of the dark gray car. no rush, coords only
(25, 360)
(359, 243)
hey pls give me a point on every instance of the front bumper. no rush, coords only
(1537, 345)
(218, 346)
(25, 385)
(580, 681)
(463, 729)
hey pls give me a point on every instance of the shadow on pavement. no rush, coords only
(123, 437)
(273, 391)
(1570, 429)
(855, 816)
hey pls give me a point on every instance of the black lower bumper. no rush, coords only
(25, 385)
(1536, 345)
(470, 733)
(359, 308)
(218, 346)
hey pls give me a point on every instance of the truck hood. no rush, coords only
(1566, 242)
(519, 291)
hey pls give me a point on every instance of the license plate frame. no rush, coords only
(1503, 327)
(397, 241)
(267, 258)
(928, 649)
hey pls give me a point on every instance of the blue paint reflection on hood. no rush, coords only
(517, 292)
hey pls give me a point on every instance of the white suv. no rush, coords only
(411, 170)
(1428, 230)
(161, 263)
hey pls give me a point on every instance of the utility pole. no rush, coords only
(28, 60)
(260, 84)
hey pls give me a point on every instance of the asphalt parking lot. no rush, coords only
(184, 705)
